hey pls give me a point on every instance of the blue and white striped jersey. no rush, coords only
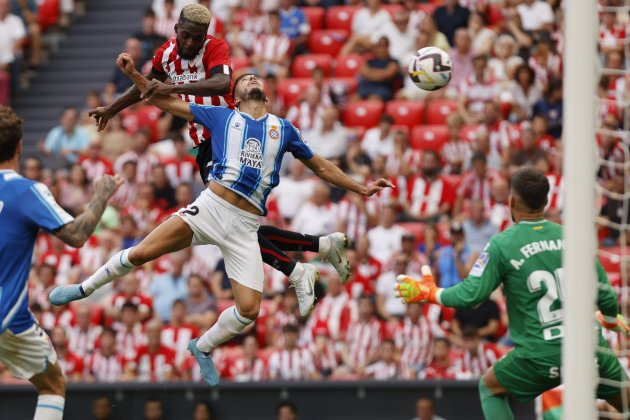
(246, 152)
(25, 207)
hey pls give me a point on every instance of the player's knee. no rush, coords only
(139, 255)
(249, 310)
(53, 382)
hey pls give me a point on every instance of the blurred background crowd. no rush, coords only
(338, 72)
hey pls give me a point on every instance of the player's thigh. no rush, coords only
(172, 235)
(27, 353)
(526, 378)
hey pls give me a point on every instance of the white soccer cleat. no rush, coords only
(305, 287)
(339, 243)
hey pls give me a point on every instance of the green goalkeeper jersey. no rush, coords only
(527, 259)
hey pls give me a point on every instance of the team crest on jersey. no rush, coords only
(251, 155)
(183, 78)
(274, 134)
(480, 264)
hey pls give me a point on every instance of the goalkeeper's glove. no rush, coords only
(619, 325)
(411, 290)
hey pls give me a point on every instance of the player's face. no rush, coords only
(190, 39)
(250, 87)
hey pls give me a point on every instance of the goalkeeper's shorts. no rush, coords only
(526, 377)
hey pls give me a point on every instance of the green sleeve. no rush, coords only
(484, 277)
(606, 296)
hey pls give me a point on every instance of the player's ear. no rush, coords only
(175, 28)
(20, 148)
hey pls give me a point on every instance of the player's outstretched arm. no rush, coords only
(218, 84)
(77, 232)
(328, 171)
(169, 104)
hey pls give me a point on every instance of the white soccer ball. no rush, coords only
(430, 68)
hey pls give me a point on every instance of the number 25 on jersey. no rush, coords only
(552, 298)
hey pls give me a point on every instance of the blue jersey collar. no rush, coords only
(262, 119)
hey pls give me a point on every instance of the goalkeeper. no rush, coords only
(527, 259)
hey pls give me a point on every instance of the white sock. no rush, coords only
(297, 272)
(229, 324)
(49, 407)
(324, 245)
(117, 266)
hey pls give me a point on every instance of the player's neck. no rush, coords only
(529, 217)
(12, 164)
(255, 109)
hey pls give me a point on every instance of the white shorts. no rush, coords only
(235, 231)
(28, 353)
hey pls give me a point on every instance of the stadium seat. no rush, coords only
(392, 9)
(407, 113)
(340, 17)
(416, 228)
(348, 65)
(429, 137)
(495, 15)
(291, 89)
(304, 64)
(223, 304)
(469, 132)
(399, 127)
(315, 17)
(350, 83)
(427, 8)
(327, 41)
(439, 110)
(239, 63)
(363, 113)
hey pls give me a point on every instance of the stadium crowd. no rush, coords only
(338, 72)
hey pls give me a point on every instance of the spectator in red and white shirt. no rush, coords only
(356, 214)
(248, 367)
(364, 337)
(475, 90)
(441, 365)
(476, 184)
(431, 195)
(38, 292)
(403, 160)
(478, 356)
(379, 140)
(365, 269)
(271, 49)
(71, 364)
(386, 366)
(499, 212)
(83, 336)
(287, 313)
(129, 291)
(611, 33)
(319, 215)
(291, 362)
(547, 65)
(501, 133)
(129, 331)
(65, 260)
(139, 153)
(384, 239)
(307, 114)
(336, 311)
(105, 364)
(94, 163)
(555, 198)
(177, 333)
(325, 353)
(154, 362)
(126, 194)
(457, 151)
(182, 167)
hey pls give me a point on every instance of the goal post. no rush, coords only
(579, 87)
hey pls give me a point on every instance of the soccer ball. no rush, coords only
(430, 68)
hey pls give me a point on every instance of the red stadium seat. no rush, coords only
(239, 63)
(223, 304)
(392, 9)
(407, 113)
(416, 228)
(469, 132)
(303, 65)
(439, 110)
(291, 89)
(611, 259)
(427, 8)
(363, 113)
(348, 65)
(350, 83)
(340, 17)
(327, 41)
(315, 17)
(398, 127)
(429, 137)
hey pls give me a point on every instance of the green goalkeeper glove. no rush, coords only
(619, 325)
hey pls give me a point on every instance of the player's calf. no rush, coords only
(51, 386)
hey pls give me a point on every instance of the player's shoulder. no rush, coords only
(213, 43)
(17, 183)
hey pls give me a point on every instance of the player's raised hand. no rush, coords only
(411, 290)
(125, 63)
(155, 87)
(107, 185)
(102, 116)
(377, 186)
(619, 325)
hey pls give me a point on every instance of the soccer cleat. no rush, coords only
(208, 370)
(339, 243)
(305, 288)
(65, 294)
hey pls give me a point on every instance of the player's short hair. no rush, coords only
(195, 13)
(10, 133)
(531, 186)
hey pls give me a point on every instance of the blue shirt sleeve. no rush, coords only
(206, 115)
(297, 145)
(41, 209)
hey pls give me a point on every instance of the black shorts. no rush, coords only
(204, 159)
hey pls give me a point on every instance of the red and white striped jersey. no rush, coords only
(477, 92)
(95, 168)
(382, 371)
(356, 219)
(500, 215)
(456, 154)
(336, 313)
(555, 198)
(611, 37)
(547, 69)
(127, 342)
(63, 262)
(177, 338)
(304, 117)
(154, 366)
(398, 195)
(410, 160)
(105, 368)
(364, 340)
(363, 279)
(272, 47)
(427, 197)
(473, 187)
(326, 359)
(437, 370)
(146, 162)
(415, 341)
(83, 342)
(245, 370)
(473, 367)
(213, 58)
(180, 170)
(71, 364)
(295, 365)
(502, 135)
